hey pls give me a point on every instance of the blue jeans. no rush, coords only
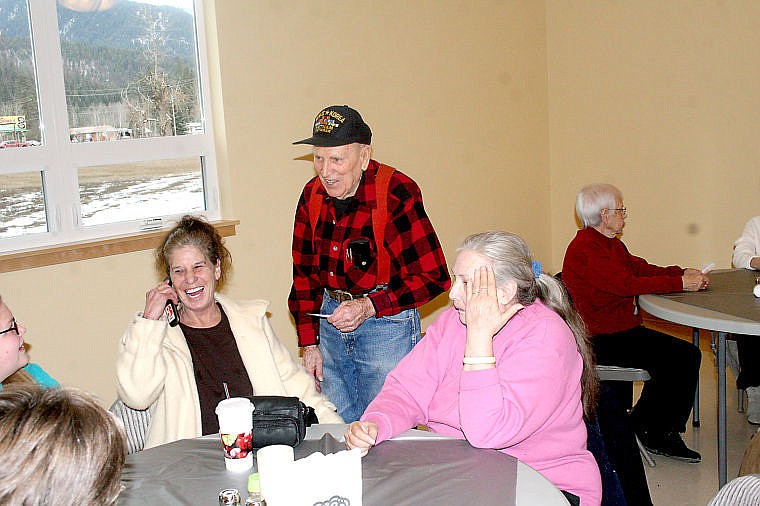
(356, 363)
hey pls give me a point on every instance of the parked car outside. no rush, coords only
(14, 144)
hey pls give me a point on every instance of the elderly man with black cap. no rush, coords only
(365, 257)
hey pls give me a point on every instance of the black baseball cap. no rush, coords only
(338, 125)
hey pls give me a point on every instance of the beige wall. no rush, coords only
(660, 99)
(499, 110)
(455, 93)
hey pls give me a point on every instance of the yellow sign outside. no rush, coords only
(13, 124)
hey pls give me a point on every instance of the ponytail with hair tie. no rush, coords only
(537, 268)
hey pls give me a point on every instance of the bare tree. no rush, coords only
(154, 97)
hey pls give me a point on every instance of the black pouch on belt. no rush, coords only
(279, 420)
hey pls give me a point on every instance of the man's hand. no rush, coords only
(312, 362)
(350, 314)
(361, 435)
(755, 263)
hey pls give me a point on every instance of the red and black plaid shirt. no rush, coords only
(418, 267)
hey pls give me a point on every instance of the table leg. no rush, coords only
(721, 409)
(695, 412)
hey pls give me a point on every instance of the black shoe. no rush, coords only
(669, 444)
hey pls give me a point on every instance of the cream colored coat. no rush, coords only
(154, 367)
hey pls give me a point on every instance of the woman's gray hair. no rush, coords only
(511, 258)
(592, 199)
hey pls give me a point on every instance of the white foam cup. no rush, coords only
(236, 430)
(270, 461)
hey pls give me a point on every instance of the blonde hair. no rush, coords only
(512, 261)
(58, 446)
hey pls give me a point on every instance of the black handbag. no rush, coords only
(279, 420)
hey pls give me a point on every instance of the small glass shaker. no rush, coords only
(229, 496)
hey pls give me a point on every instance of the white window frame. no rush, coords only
(59, 159)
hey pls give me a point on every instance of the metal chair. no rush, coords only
(630, 374)
(741, 491)
(136, 423)
(615, 373)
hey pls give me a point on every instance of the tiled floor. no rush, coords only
(676, 483)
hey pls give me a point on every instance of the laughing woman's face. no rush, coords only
(194, 278)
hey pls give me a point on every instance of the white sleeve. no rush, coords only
(140, 366)
(747, 246)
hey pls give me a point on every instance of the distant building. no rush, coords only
(99, 133)
(193, 127)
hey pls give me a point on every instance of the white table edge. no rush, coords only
(532, 486)
(699, 317)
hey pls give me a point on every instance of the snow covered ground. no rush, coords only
(23, 211)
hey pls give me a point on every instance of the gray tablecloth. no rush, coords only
(404, 472)
(730, 292)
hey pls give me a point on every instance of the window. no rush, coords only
(105, 124)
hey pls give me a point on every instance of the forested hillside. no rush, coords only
(114, 61)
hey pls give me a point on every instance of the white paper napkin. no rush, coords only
(317, 480)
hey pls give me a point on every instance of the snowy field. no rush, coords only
(22, 211)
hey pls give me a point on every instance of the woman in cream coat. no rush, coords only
(220, 343)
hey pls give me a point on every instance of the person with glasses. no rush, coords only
(603, 279)
(365, 259)
(14, 359)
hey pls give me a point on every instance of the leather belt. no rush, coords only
(342, 295)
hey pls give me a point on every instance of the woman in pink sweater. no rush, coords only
(508, 367)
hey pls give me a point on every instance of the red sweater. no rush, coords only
(603, 279)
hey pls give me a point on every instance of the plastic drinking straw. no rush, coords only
(226, 390)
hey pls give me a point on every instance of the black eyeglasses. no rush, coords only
(13, 327)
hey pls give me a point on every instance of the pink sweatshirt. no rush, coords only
(529, 406)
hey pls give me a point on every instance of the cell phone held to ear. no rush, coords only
(170, 310)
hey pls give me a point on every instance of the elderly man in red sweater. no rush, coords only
(603, 279)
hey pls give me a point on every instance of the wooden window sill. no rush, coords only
(95, 249)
